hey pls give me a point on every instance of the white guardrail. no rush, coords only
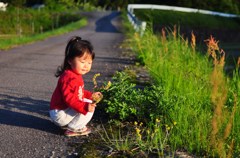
(140, 26)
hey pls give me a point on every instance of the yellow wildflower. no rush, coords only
(138, 130)
(135, 123)
(168, 128)
(138, 133)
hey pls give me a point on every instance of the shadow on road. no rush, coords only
(14, 113)
(104, 24)
(25, 103)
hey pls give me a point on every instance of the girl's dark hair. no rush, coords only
(76, 47)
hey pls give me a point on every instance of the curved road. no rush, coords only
(27, 82)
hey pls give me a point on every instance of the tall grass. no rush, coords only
(184, 75)
(195, 92)
(190, 90)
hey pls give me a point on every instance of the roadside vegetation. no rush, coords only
(25, 25)
(190, 106)
(223, 29)
(15, 40)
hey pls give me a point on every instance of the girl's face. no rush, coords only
(81, 65)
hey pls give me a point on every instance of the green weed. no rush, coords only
(184, 91)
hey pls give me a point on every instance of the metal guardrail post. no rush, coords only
(138, 25)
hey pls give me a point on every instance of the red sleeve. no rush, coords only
(69, 89)
(88, 94)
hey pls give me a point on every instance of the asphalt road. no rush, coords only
(27, 82)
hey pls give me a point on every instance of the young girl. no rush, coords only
(71, 105)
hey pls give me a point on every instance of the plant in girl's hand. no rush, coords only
(97, 97)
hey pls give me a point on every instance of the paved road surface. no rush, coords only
(27, 82)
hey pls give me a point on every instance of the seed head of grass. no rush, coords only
(193, 42)
(174, 32)
(213, 48)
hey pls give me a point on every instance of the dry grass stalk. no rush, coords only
(218, 55)
(219, 97)
(221, 61)
(212, 45)
(174, 33)
(164, 39)
(193, 42)
(186, 42)
(214, 51)
(238, 62)
(163, 36)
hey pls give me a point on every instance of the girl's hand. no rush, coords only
(91, 107)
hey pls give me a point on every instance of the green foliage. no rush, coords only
(181, 92)
(117, 139)
(136, 140)
(29, 21)
(154, 137)
(122, 99)
(16, 40)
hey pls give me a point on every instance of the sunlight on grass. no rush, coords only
(186, 77)
(189, 87)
